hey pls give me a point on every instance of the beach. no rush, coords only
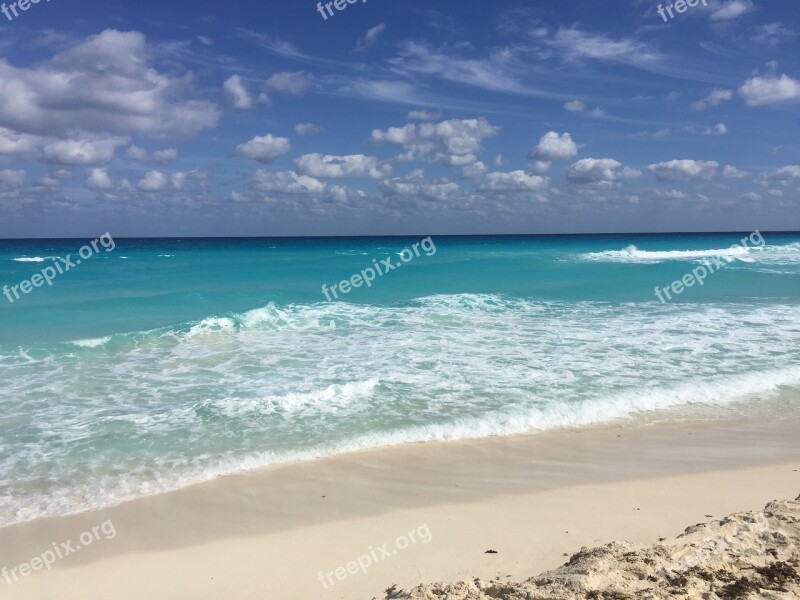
(533, 499)
(416, 301)
(192, 419)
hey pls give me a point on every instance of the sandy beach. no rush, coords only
(420, 513)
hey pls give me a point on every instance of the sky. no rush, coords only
(267, 118)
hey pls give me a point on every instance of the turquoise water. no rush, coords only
(162, 363)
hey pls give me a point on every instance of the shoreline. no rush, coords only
(304, 518)
(671, 416)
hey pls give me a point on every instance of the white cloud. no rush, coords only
(307, 128)
(454, 142)
(772, 34)
(265, 148)
(287, 182)
(415, 185)
(599, 171)
(153, 181)
(576, 44)
(713, 99)
(105, 83)
(785, 173)
(166, 155)
(758, 91)
(553, 146)
(178, 180)
(474, 170)
(13, 143)
(11, 178)
(160, 156)
(370, 37)
(82, 151)
(541, 166)
(136, 153)
(333, 167)
(98, 179)
(671, 194)
(296, 84)
(718, 129)
(752, 196)
(449, 63)
(683, 170)
(731, 172)
(575, 106)
(236, 92)
(513, 181)
(732, 9)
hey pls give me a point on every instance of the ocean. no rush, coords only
(162, 362)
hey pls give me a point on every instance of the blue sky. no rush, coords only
(262, 118)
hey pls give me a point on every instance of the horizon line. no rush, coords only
(409, 235)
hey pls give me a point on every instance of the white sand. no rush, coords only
(533, 499)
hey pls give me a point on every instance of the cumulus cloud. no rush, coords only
(98, 179)
(515, 181)
(264, 149)
(684, 170)
(415, 185)
(296, 84)
(178, 180)
(153, 181)
(714, 98)
(105, 83)
(136, 153)
(13, 143)
(307, 128)
(454, 142)
(166, 155)
(599, 171)
(718, 129)
(159, 156)
(541, 166)
(236, 92)
(575, 106)
(785, 173)
(11, 178)
(287, 182)
(82, 150)
(334, 167)
(759, 91)
(473, 170)
(671, 194)
(553, 146)
(731, 172)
